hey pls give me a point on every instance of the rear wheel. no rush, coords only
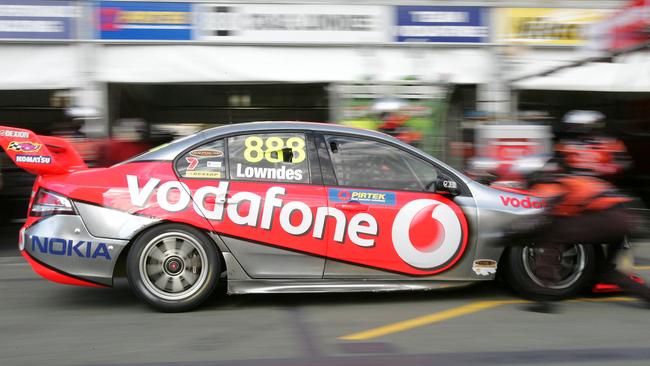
(550, 273)
(173, 267)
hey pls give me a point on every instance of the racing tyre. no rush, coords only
(564, 272)
(173, 267)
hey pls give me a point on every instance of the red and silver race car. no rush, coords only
(273, 207)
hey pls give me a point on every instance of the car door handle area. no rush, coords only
(351, 206)
(222, 198)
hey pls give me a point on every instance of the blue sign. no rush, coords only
(367, 197)
(442, 24)
(37, 19)
(145, 20)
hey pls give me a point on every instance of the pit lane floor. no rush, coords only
(42, 323)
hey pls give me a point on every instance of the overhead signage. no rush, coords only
(280, 23)
(38, 19)
(144, 20)
(441, 24)
(545, 26)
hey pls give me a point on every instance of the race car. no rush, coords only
(274, 207)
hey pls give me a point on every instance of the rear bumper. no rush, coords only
(61, 249)
(55, 276)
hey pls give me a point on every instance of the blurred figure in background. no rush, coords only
(585, 149)
(128, 140)
(583, 207)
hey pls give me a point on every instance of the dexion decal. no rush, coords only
(14, 133)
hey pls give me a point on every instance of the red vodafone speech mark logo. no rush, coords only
(429, 249)
(426, 234)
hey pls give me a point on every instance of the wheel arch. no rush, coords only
(119, 270)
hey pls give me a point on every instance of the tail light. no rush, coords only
(48, 203)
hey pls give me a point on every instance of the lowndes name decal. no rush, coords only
(425, 234)
(281, 173)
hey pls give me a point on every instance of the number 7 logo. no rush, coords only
(193, 162)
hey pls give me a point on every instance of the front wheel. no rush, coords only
(550, 273)
(173, 267)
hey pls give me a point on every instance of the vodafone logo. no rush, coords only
(427, 235)
(440, 245)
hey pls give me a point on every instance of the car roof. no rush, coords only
(170, 151)
(290, 125)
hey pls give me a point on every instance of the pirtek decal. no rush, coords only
(427, 234)
(361, 196)
(522, 203)
(70, 248)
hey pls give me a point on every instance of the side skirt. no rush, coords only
(240, 283)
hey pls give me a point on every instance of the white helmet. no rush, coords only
(582, 117)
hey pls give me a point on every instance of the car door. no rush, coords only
(260, 193)
(396, 224)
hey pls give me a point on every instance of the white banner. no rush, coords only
(284, 23)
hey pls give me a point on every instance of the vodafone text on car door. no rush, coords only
(395, 224)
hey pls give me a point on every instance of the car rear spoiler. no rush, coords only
(40, 154)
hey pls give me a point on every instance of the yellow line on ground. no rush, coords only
(605, 299)
(454, 313)
(427, 319)
(642, 268)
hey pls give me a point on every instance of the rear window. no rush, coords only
(207, 161)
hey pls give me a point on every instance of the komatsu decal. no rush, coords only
(70, 247)
(35, 159)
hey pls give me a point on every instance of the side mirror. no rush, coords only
(445, 185)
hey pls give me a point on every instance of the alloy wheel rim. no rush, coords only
(571, 264)
(173, 266)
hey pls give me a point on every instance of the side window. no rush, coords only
(204, 162)
(366, 163)
(269, 157)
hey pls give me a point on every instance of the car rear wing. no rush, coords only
(38, 154)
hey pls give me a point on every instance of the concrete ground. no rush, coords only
(43, 323)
